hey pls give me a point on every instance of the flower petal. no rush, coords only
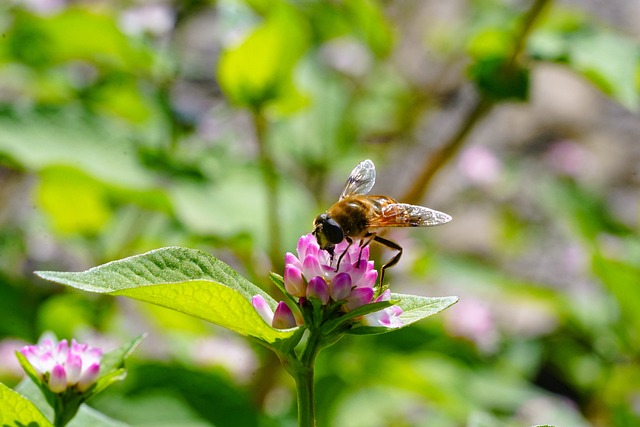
(359, 297)
(311, 267)
(58, 379)
(341, 286)
(293, 281)
(89, 376)
(319, 289)
(263, 309)
(283, 317)
(73, 367)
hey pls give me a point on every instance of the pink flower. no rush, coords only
(345, 281)
(62, 365)
(388, 317)
(313, 264)
(283, 317)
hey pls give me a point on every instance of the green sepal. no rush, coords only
(347, 318)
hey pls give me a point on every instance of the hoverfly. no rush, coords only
(357, 216)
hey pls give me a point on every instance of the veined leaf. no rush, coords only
(185, 280)
(414, 308)
(17, 410)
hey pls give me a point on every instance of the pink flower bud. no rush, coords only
(58, 379)
(359, 297)
(89, 377)
(319, 289)
(283, 317)
(311, 267)
(74, 368)
(293, 281)
(263, 309)
(340, 286)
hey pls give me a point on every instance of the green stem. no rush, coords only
(306, 398)
(271, 185)
(302, 370)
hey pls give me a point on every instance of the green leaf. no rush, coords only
(185, 280)
(114, 359)
(414, 308)
(17, 410)
(259, 69)
(499, 80)
(86, 415)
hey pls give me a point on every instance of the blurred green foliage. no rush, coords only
(128, 126)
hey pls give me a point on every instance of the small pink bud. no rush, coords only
(340, 286)
(293, 281)
(263, 309)
(283, 317)
(88, 377)
(319, 289)
(73, 367)
(58, 379)
(311, 267)
(290, 259)
(359, 297)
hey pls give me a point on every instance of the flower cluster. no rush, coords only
(312, 275)
(61, 365)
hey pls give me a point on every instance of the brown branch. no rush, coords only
(481, 107)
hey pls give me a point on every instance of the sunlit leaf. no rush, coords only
(186, 280)
(86, 415)
(16, 410)
(414, 308)
(84, 207)
(259, 69)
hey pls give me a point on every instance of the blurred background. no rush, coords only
(229, 125)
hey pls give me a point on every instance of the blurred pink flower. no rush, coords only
(153, 18)
(480, 165)
(8, 363)
(567, 157)
(44, 7)
(472, 319)
(61, 365)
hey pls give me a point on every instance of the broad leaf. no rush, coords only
(185, 280)
(17, 410)
(414, 308)
(86, 415)
(259, 69)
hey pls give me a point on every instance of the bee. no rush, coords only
(358, 216)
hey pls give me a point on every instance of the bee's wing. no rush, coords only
(361, 180)
(405, 215)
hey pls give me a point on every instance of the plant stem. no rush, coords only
(435, 161)
(306, 397)
(271, 185)
(303, 373)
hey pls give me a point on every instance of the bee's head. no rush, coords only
(328, 232)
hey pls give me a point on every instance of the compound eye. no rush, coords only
(332, 231)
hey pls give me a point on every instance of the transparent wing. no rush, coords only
(405, 215)
(361, 180)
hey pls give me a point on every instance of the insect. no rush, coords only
(357, 216)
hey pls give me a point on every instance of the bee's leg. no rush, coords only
(364, 242)
(394, 260)
(331, 254)
(343, 253)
